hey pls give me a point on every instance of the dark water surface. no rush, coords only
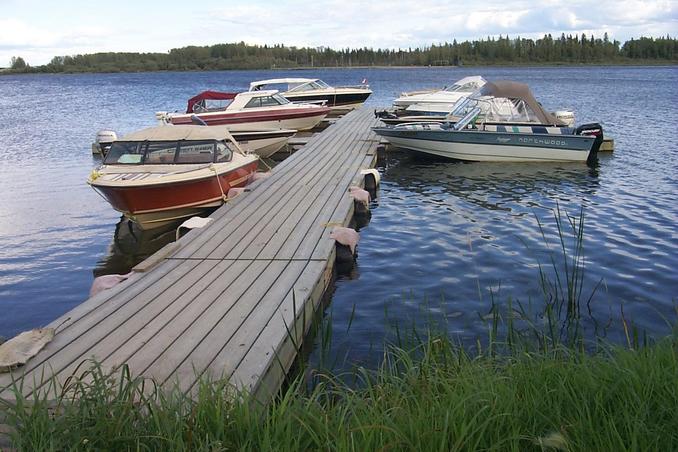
(442, 237)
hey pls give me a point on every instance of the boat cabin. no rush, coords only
(467, 85)
(167, 145)
(210, 101)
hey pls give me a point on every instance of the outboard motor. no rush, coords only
(103, 141)
(593, 129)
(566, 116)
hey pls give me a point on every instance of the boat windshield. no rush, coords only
(267, 101)
(168, 152)
(195, 152)
(309, 86)
(469, 87)
(205, 105)
(124, 153)
(224, 152)
(282, 100)
(159, 152)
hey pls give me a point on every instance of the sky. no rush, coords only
(39, 30)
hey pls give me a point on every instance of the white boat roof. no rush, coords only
(471, 79)
(262, 93)
(273, 81)
(179, 132)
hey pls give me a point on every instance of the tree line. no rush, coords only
(570, 49)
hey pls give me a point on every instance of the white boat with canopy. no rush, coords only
(448, 96)
(316, 91)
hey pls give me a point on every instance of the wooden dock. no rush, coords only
(230, 300)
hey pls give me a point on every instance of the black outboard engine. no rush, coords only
(593, 129)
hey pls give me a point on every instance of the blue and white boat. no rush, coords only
(511, 140)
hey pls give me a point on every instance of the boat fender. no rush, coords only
(372, 178)
(235, 192)
(193, 223)
(106, 282)
(361, 199)
(258, 175)
(346, 236)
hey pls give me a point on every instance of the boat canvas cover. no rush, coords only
(208, 95)
(179, 132)
(515, 90)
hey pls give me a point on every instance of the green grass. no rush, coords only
(433, 398)
(536, 382)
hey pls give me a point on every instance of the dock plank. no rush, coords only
(231, 300)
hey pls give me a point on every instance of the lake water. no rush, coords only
(444, 240)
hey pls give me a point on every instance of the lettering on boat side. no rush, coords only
(547, 141)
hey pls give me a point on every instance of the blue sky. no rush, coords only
(39, 30)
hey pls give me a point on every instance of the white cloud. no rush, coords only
(332, 23)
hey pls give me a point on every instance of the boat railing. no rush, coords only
(360, 86)
(407, 125)
(466, 120)
(460, 107)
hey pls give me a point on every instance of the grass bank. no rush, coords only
(536, 382)
(434, 397)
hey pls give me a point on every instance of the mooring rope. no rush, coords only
(224, 197)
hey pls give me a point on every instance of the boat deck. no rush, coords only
(230, 300)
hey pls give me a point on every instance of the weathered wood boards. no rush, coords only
(225, 299)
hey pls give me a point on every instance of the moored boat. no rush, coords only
(469, 140)
(447, 96)
(264, 143)
(503, 101)
(249, 111)
(163, 174)
(316, 91)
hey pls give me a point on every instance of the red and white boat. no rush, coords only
(163, 174)
(251, 110)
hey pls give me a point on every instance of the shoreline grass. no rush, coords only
(431, 397)
(538, 381)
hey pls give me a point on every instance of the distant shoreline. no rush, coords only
(634, 63)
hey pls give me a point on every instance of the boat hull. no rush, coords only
(351, 99)
(155, 205)
(288, 118)
(493, 147)
(264, 144)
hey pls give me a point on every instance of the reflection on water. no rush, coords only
(131, 245)
(494, 186)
